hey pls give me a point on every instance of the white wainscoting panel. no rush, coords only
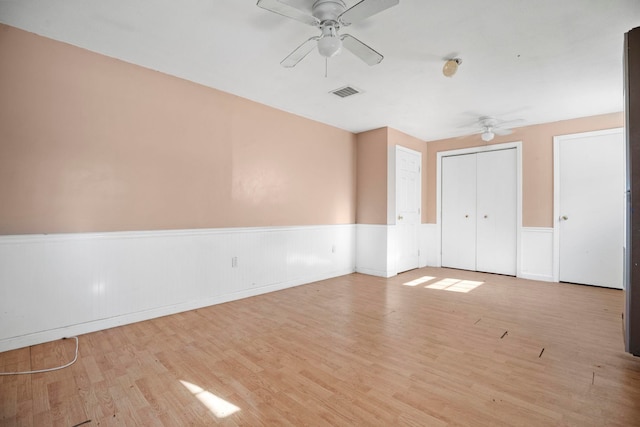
(54, 286)
(376, 248)
(537, 253)
(371, 249)
(392, 250)
(428, 245)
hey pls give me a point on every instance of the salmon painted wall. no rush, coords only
(372, 153)
(371, 189)
(537, 162)
(90, 143)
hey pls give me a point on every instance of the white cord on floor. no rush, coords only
(47, 370)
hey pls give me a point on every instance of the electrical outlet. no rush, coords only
(234, 262)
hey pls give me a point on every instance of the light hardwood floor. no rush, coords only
(355, 350)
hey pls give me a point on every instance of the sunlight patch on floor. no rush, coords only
(455, 285)
(419, 281)
(218, 406)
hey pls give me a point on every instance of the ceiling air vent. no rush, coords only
(343, 92)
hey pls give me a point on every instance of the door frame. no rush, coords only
(473, 150)
(556, 189)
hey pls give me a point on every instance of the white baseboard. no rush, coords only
(378, 273)
(540, 277)
(55, 286)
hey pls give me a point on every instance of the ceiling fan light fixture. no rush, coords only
(487, 135)
(451, 67)
(329, 46)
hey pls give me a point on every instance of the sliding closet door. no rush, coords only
(459, 212)
(496, 204)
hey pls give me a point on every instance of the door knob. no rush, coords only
(564, 218)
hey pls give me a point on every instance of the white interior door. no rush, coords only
(590, 209)
(408, 202)
(497, 214)
(458, 241)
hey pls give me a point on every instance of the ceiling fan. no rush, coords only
(329, 16)
(490, 127)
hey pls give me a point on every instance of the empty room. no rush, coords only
(319, 212)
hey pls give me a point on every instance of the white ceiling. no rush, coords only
(539, 60)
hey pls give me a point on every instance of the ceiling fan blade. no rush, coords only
(365, 9)
(510, 123)
(300, 52)
(470, 125)
(499, 131)
(284, 9)
(361, 50)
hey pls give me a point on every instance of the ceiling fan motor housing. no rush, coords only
(488, 122)
(328, 10)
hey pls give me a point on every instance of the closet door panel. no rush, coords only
(459, 212)
(496, 212)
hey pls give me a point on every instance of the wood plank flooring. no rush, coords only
(412, 350)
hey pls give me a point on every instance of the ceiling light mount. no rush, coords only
(451, 66)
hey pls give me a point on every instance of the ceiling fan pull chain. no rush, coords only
(326, 67)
